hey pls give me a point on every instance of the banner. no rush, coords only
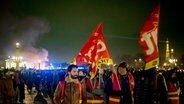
(94, 51)
(149, 39)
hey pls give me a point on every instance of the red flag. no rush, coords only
(94, 51)
(149, 39)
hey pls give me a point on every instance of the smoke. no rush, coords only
(31, 29)
(32, 56)
(27, 31)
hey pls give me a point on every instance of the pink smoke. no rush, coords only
(33, 57)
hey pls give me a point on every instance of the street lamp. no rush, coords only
(172, 53)
(17, 57)
(165, 64)
(17, 45)
(140, 60)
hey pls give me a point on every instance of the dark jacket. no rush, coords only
(125, 93)
(150, 88)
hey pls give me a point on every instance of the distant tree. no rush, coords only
(125, 57)
(130, 59)
(140, 55)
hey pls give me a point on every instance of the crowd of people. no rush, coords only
(118, 85)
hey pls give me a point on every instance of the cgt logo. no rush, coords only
(150, 39)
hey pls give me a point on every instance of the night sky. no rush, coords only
(61, 27)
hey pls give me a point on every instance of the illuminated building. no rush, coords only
(167, 55)
(170, 60)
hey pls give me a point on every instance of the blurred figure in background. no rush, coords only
(6, 87)
(21, 89)
(30, 75)
(95, 88)
(82, 76)
(150, 87)
(173, 87)
(180, 75)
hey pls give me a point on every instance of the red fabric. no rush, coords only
(88, 84)
(93, 50)
(131, 82)
(172, 88)
(117, 86)
(91, 85)
(62, 85)
(117, 83)
(111, 102)
(96, 84)
(149, 36)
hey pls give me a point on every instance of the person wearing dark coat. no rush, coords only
(150, 88)
(120, 86)
(21, 90)
(173, 86)
(6, 88)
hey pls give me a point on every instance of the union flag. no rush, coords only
(94, 51)
(149, 39)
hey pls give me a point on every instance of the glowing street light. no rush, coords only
(17, 44)
(17, 57)
(140, 60)
(171, 60)
(172, 50)
(165, 64)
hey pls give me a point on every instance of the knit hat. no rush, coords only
(123, 64)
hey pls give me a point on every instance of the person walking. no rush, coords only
(120, 86)
(70, 90)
